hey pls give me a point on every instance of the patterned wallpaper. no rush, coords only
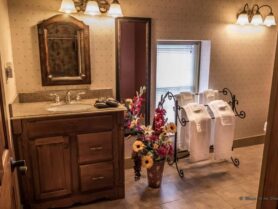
(6, 50)
(242, 58)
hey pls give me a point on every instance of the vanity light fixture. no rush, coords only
(243, 18)
(92, 7)
(257, 18)
(115, 9)
(270, 20)
(67, 6)
(253, 15)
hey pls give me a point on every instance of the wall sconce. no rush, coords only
(92, 7)
(255, 17)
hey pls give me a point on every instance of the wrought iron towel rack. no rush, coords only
(178, 119)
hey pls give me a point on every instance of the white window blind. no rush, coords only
(177, 70)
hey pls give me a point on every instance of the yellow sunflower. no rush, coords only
(147, 161)
(171, 128)
(138, 146)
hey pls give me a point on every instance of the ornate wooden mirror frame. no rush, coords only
(64, 51)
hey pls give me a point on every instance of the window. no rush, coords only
(178, 69)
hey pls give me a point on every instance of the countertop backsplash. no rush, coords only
(43, 96)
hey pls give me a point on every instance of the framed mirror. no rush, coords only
(133, 58)
(64, 51)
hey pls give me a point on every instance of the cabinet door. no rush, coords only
(51, 167)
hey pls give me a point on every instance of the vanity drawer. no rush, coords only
(38, 128)
(95, 147)
(96, 176)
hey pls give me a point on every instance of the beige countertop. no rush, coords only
(39, 109)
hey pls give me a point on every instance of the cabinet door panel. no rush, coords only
(51, 167)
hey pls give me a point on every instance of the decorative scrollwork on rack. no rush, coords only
(170, 161)
(234, 102)
(235, 161)
(170, 96)
(181, 173)
(182, 120)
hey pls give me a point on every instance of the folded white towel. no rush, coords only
(227, 120)
(208, 96)
(182, 134)
(223, 129)
(198, 132)
(197, 113)
(184, 98)
(223, 111)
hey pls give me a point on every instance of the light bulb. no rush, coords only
(67, 6)
(115, 9)
(257, 19)
(243, 19)
(270, 20)
(92, 8)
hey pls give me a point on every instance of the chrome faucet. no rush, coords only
(57, 98)
(78, 96)
(68, 97)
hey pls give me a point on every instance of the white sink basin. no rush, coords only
(70, 108)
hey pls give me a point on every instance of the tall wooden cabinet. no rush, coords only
(71, 159)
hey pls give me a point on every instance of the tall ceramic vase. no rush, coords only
(155, 174)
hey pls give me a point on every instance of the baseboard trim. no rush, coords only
(249, 141)
(242, 142)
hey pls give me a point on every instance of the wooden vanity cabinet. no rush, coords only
(70, 159)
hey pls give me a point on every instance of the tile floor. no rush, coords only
(206, 185)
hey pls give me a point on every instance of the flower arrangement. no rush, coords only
(134, 113)
(152, 142)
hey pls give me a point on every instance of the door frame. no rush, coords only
(268, 188)
(5, 143)
(7, 146)
(148, 24)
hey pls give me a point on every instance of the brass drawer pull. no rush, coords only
(97, 178)
(96, 148)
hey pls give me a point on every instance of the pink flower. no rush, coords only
(162, 151)
(153, 138)
(171, 150)
(159, 120)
